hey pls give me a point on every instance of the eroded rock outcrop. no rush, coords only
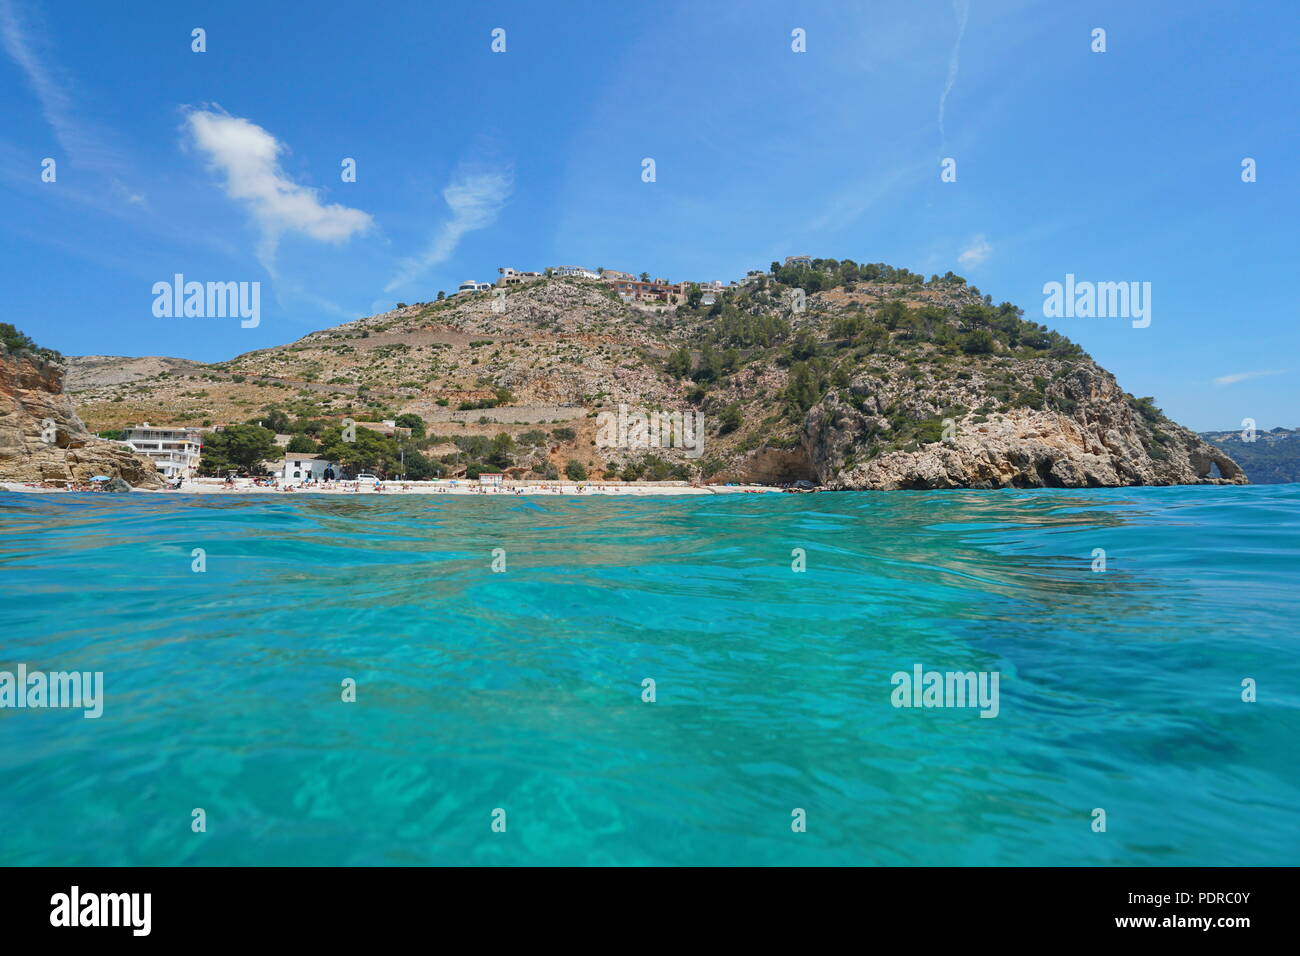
(1107, 440)
(41, 437)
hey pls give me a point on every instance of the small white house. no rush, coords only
(298, 468)
(490, 480)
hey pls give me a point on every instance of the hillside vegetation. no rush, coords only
(880, 378)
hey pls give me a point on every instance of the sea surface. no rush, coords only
(517, 695)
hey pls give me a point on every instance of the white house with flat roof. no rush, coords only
(298, 468)
(511, 276)
(174, 451)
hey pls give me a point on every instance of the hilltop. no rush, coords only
(880, 379)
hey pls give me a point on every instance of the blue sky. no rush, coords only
(225, 165)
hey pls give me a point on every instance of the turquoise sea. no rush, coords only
(522, 690)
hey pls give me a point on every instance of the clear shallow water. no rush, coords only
(522, 690)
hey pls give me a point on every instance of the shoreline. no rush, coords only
(215, 486)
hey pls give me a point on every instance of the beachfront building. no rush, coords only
(298, 468)
(174, 451)
(490, 480)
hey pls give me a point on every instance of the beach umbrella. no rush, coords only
(101, 478)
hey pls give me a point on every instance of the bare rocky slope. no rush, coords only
(43, 439)
(880, 380)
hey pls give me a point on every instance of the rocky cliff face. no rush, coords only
(41, 437)
(1106, 440)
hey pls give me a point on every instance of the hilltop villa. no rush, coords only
(511, 277)
(657, 290)
(628, 287)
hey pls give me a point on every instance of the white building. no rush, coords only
(299, 468)
(563, 271)
(174, 451)
(490, 480)
(511, 277)
(710, 292)
(469, 285)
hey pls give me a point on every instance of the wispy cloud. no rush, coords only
(475, 197)
(962, 10)
(78, 139)
(248, 156)
(976, 253)
(1246, 376)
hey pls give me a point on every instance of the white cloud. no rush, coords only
(475, 198)
(125, 192)
(248, 157)
(976, 253)
(1246, 376)
(76, 138)
(962, 10)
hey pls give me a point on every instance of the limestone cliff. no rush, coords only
(1106, 439)
(41, 437)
